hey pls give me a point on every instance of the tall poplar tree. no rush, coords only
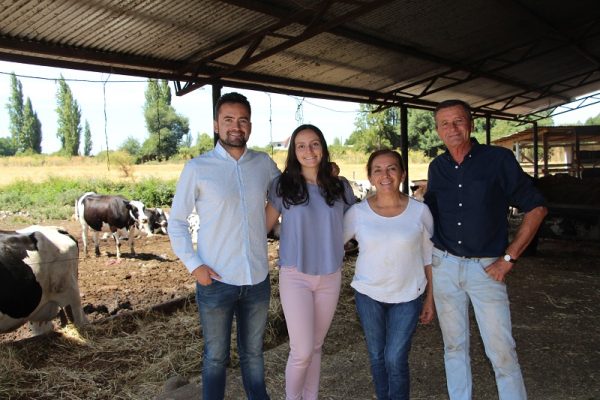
(24, 125)
(15, 108)
(69, 119)
(87, 139)
(31, 132)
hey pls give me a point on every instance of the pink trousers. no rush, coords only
(308, 302)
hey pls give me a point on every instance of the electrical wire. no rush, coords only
(71, 79)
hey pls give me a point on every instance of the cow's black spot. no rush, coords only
(20, 292)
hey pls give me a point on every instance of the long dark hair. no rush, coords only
(292, 185)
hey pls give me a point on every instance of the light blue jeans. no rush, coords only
(217, 304)
(456, 280)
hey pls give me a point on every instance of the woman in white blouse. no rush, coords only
(392, 280)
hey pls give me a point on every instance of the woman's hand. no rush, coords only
(428, 311)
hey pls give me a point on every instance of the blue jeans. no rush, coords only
(389, 328)
(217, 304)
(456, 280)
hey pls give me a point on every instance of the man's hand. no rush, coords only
(204, 275)
(498, 269)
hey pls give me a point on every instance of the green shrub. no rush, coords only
(55, 198)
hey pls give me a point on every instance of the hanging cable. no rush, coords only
(68, 79)
(105, 123)
(300, 111)
(270, 124)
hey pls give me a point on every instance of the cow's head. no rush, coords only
(163, 220)
(157, 220)
(136, 211)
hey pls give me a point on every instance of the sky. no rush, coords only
(273, 116)
(113, 104)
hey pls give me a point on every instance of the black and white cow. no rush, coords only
(362, 189)
(38, 277)
(418, 189)
(158, 220)
(94, 210)
(193, 225)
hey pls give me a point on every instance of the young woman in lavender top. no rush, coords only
(311, 202)
(392, 280)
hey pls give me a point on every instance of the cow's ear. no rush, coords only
(133, 211)
(34, 237)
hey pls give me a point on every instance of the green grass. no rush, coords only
(55, 197)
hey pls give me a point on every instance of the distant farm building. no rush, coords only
(281, 145)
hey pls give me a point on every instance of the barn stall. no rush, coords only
(569, 179)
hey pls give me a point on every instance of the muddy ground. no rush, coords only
(555, 300)
(109, 287)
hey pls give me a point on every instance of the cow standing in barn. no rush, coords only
(94, 210)
(38, 276)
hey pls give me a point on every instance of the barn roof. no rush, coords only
(587, 135)
(508, 58)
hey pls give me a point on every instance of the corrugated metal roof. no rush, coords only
(507, 58)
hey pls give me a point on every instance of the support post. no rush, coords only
(216, 94)
(488, 129)
(404, 141)
(535, 152)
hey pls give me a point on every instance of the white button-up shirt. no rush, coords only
(229, 196)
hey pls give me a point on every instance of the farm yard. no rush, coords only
(145, 331)
(144, 340)
(129, 352)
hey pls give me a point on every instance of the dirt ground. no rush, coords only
(555, 301)
(107, 287)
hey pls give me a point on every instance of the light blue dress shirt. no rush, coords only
(229, 196)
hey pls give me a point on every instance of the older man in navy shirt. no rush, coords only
(469, 190)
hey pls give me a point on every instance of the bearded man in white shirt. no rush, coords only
(228, 189)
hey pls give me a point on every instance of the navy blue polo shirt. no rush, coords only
(469, 202)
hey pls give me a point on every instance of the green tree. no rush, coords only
(593, 120)
(165, 126)
(24, 125)
(382, 129)
(131, 145)
(87, 139)
(372, 129)
(204, 143)
(7, 147)
(422, 134)
(31, 131)
(69, 119)
(15, 109)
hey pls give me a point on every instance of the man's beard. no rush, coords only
(238, 142)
